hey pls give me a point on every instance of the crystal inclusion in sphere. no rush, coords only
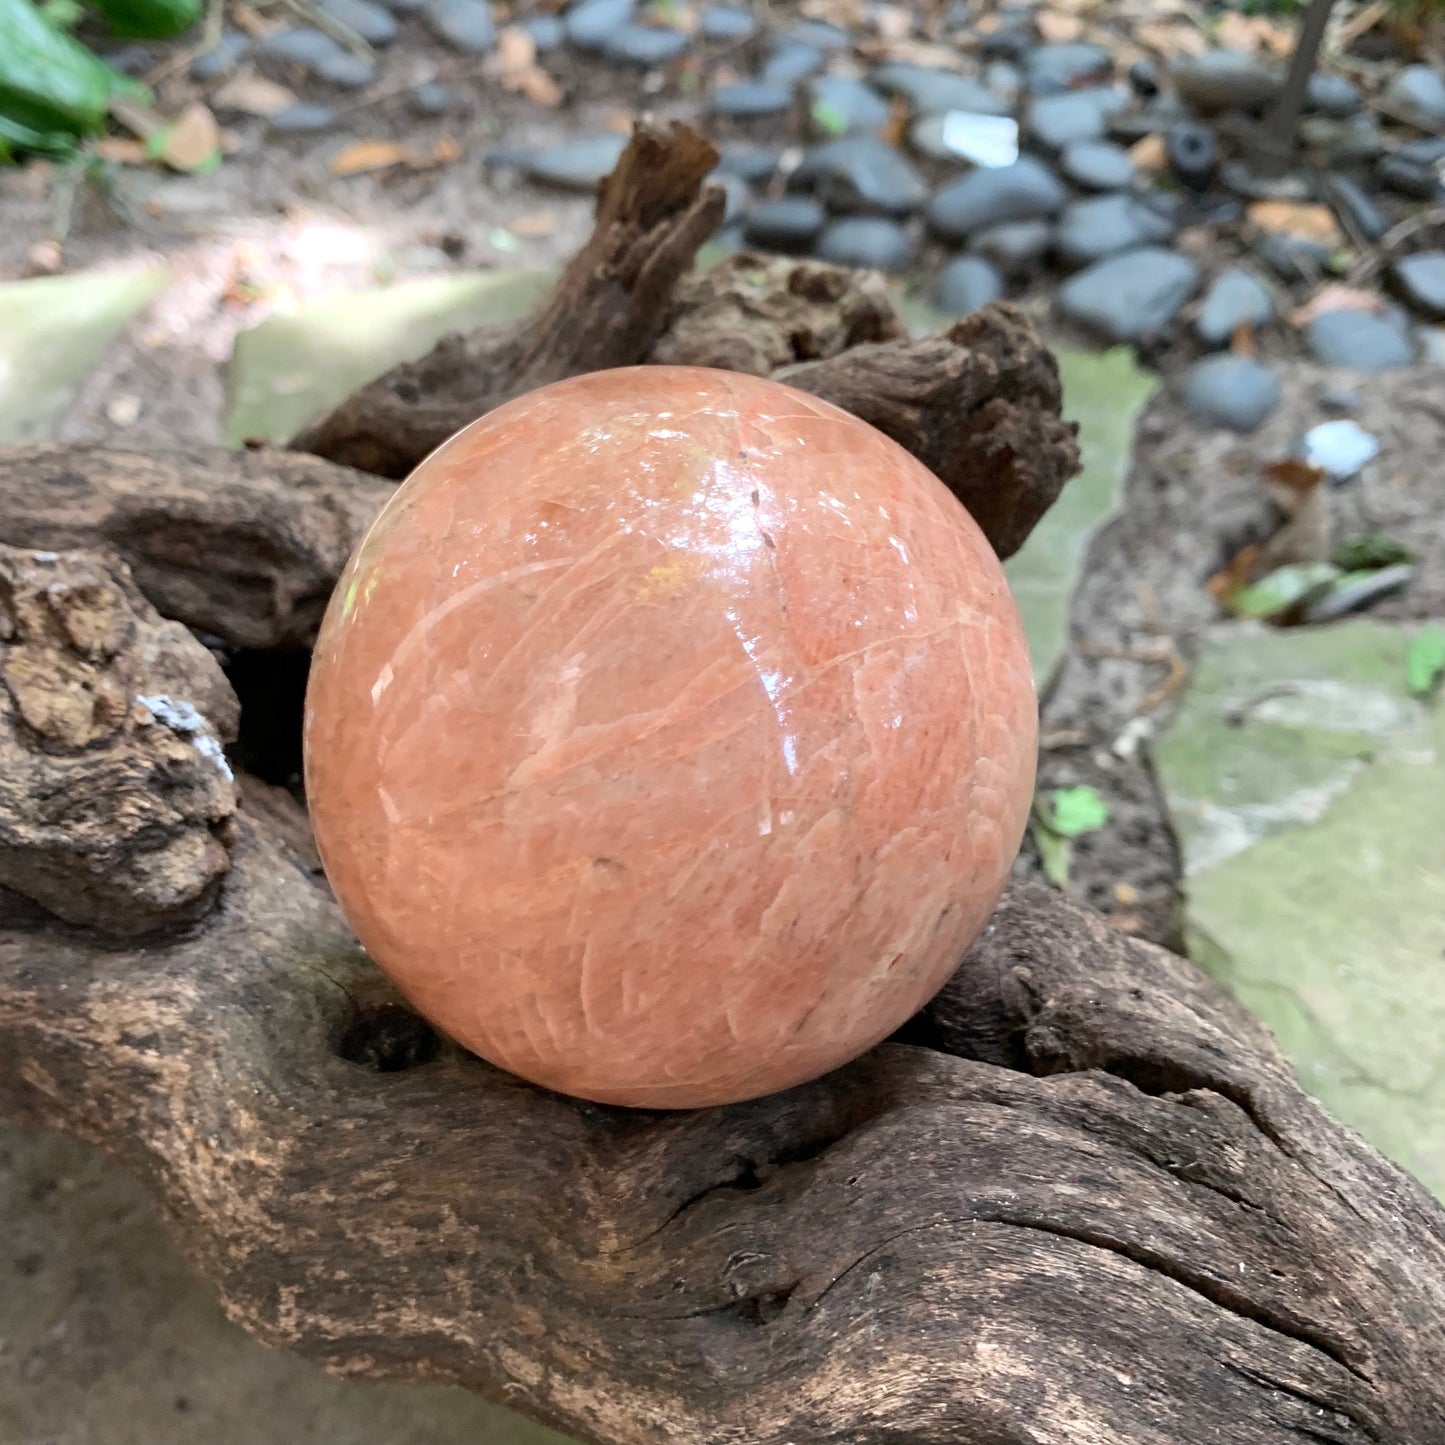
(670, 736)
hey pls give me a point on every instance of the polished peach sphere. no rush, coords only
(670, 736)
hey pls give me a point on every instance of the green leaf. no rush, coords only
(62, 14)
(1425, 661)
(829, 118)
(1370, 553)
(1054, 853)
(1284, 591)
(1078, 811)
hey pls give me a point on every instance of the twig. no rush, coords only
(1366, 266)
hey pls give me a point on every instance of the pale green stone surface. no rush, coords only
(1315, 857)
(1104, 392)
(292, 368)
(53, 332)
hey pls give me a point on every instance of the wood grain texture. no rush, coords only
(242, 545)
(1079, 1201)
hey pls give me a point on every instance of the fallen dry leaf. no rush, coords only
(445, 151)
(1239, 573)
(244, 17)
(122, 150)
(1306, 537)
(914, 52)
(1053, 26)
(193, 140)
(1149, 154)
(363, 156)
(515, 65)
(534, 226)
(1335, 297)
(893, 22)
(1296, 218)
(618, 120)
(253, 94)
(1253, 33)
(1169, 38)
(1242, 342)
(1299, 476)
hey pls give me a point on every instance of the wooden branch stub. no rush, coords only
(116, 801)
(606, 310)
(979, 406)
(759, 313)
(244, 546)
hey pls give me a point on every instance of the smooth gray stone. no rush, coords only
(1420, 279)
(791, 223)
(1097, 165)
(1225, 80)
(1025, 191)
(1131, 295)
(547, 31)
(860, 108)
(746, 99)
(871, 241)
(1057, 120)
(1097, 227)
(931, 92)
(1015, 247)
(465, 25)
(1417, 94)
(727, 22)
(820, 35)
(788, 62)
(1062, 65)
(965, 284)
(1351, 203)
(739, 197)
(860, 173)
(298, 45)
(1332, 95)
(1353, 138)
(229, 51)
(1341, 449)
(1359, 341)
(1235, 298)
(591, 24)
(1294, 259)
(575, 165)
(373, 24)
(431, 98)
(302, 117)
(347, 71)
(645, 45)
(1234, 392)
(753, 163)
(1358, 592)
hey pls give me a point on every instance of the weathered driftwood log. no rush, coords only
(116, 800)
(245, 546)
(1082, 1201)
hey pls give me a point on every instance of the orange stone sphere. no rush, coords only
(670, 736)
